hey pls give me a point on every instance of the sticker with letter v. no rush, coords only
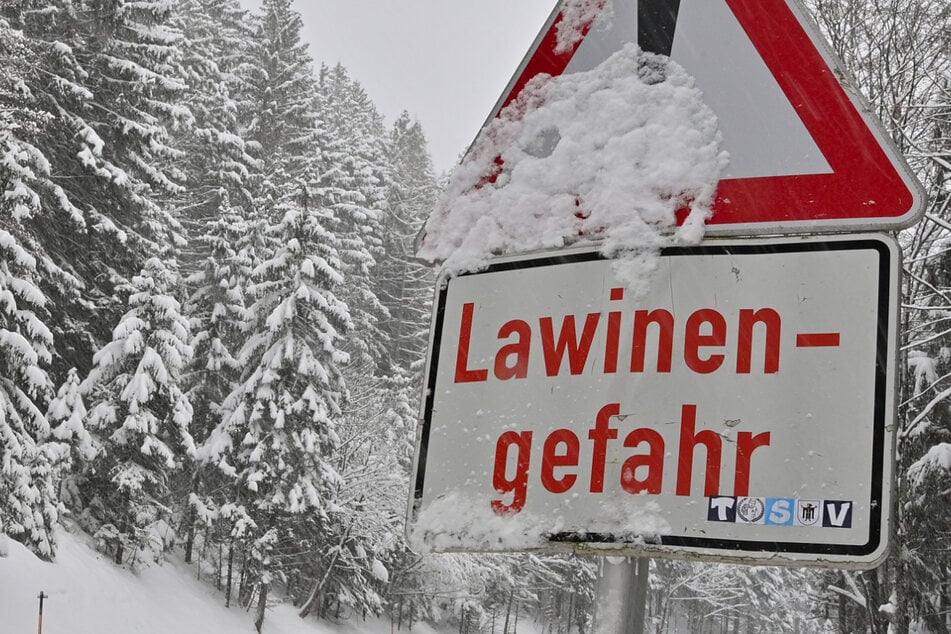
(837, 514)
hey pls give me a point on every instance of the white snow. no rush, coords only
(612, 154)
(456, 522)
(577, 17)
(937, 458)
(460, 523)
(925, 370)
(90, 595)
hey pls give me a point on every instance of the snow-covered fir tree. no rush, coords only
(281, 431)
(276, 103)
(103, 78)
(217, 314)
(350, 569)
(76, 449)
(276, 115)
(404, 285)
(215, 164)
(32, 197)
(213, 208)
(29, 506)
(23, 163)
(138, 413)
(353, 171)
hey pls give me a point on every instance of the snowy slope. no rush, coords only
(89, 595)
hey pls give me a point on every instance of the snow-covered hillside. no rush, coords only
(90, 595)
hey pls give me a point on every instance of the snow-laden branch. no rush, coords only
(924, 413)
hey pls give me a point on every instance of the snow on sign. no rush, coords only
(804, 153)
(741, 409)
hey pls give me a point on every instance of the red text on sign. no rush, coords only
(705, 339)
(641, 472)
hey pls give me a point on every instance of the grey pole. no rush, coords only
(639, 599)
(621, 596)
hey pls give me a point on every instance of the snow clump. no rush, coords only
(456, 522)
(467, 522)
(613, 153)
(578, 16)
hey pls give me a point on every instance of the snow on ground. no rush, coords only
(90, 595)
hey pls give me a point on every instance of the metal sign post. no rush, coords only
(621, 596)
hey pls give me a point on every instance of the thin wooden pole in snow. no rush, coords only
(41, 596)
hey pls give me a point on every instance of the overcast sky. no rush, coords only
(444, 61)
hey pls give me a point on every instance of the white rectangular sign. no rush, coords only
(743, 409)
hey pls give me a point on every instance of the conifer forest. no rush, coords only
(213, 328)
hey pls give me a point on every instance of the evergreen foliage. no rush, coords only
(269, 419)
(67, 418)
(281, 427)
(139, 413)
(353, 173)
(104, 82)
(404, 285)
(29, 506)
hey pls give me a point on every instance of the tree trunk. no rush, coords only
(571, 609)
(902, 618)
(843, 617)
(230, 569)
(262, 606)
(873, 599)
(582, 616)
(219, 566)
(190, 532)
(120, 546)
(243, 585)
(508, 613)
(201, 557)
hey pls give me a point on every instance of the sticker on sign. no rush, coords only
(740, 410)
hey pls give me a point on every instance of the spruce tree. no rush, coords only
(276, 105)
(353, 173)
(103, 77)
(282, 429)
(278, 436)
(404, 285)
(213, 208)
(77, 450)
(32, 198)
(29, 506)
(139, 413)
(217, 314)
(215, 164)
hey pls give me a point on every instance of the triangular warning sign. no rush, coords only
(805, 154)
